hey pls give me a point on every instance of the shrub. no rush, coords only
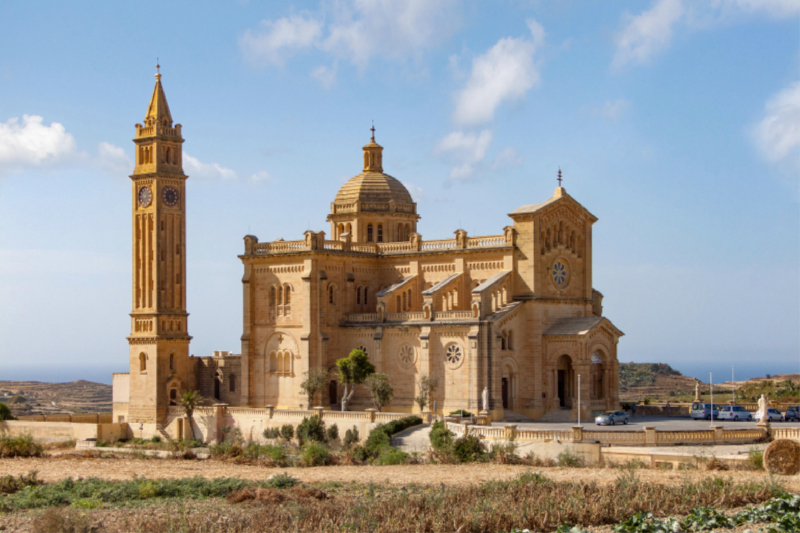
(359, 453)
(11, 484)
(56, 520)
(377, 440)
(351, 437)
(332, 433)
(314, 454)
(391, 456)
(192, 443)
(468, 448)
(5, 412)
(569, 458)
(755, 459)
(282, 481)
(20, 446)
(504, 454)
(272, 433)
(287, 432)
(311, 430)
(155, 438)
(441, 438)
(462, 413)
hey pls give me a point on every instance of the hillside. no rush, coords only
(34, 397)
(652, 380)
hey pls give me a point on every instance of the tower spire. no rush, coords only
(158, 110)
(559, 176)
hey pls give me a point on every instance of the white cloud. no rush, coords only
(466, 150)
(773, 8)
(355, 30)
(505, 72)
(326, 75)
(778, 133)
(416, 192)
(193, 167)
(647, 33)
(113, 159)
(281, 38)
(258, 177)
(507, 158)
(612, 110)
(32, 143)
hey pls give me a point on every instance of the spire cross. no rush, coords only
(373, 130)
(158, 70)
(559, 177)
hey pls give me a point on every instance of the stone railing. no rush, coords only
(649, 437)
(386, 248)
(444, 244)
(785, 433)
(490, 241)
(452, 315)
(364, 248)
(265, 248)
(404, 317)
(333, 245)
(362, 317)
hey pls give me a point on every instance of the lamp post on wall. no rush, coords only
(711, 388)
(579, 399)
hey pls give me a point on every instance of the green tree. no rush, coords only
(189, 400)
(5, 412)
(353, 370)
(315, 381)
(426, 386)
(380, 390)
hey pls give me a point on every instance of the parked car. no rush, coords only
(703, 411)
(792, 413)
(734, 412)
(609, 418)
(773, 415)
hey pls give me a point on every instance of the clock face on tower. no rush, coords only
(145, 196)
(170, 196)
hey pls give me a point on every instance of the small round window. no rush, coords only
(407, 355)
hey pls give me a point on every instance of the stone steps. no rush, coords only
(558, 416)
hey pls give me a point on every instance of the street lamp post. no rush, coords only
(579, 399)
(711, 387)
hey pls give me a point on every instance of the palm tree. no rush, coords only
(190, 399)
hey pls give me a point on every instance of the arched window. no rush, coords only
(142, 362)
(503, 341)
(341, 230)
(369, 232)
(366, 295)
(380, 232)
(287, 292)
(273, 362)
(280, 363)
(271, 296)
(280, 295)
(330, 295)
(349, 228)
(232, 380)
(172, 361)
(405, 302)
(358, 296)
(398, 303)
(173, 396)
(409, 299)
(510, 341)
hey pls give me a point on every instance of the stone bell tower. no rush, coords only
(159, 341)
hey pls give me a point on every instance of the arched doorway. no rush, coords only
(597, 370)
(565, 380)
(508, 386)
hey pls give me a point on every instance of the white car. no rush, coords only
(610, 418)
(734, 412)
(773, 415)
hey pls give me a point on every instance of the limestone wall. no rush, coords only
(57, 431)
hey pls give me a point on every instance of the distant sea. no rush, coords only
(721, 371)
(54, 374)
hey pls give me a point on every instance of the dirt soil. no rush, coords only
(75, 466)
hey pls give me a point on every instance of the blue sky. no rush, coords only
(676, 123)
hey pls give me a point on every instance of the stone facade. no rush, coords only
(515, 312)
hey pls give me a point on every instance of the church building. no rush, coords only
(513, 313)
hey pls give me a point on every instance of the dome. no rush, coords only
(373, 187)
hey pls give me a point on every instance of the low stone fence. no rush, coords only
(94, 418)
(650, 436)
(61, 431)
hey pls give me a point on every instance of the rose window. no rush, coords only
(407, 355)
(454, 354)
(560, 274)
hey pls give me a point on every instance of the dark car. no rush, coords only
(792, 413)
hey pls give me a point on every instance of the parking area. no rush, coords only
(664, 423)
